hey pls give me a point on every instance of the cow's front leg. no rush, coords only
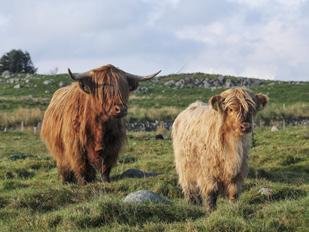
(233, 190)
(210, 193)
(106, 169)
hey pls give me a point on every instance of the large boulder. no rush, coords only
(143, 196)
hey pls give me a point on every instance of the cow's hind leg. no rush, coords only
(66, 174)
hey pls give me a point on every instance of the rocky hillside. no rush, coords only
(213, 81)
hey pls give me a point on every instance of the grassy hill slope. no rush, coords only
(25, 97)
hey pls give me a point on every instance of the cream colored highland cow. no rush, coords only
(211, 144)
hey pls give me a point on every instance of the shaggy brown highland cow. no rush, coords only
(84, 126)
(211, 144)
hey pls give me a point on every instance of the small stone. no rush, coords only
(180, 84)
(170, 83)
(265, 192)
(61, 84)
(145, 196)
(6, 74)
(228, 84)
(136, 173)
(221, 78)
(47, 82)
(28, 75)
(17, 86)
(274, 129)
(142, 90)
(206, 84)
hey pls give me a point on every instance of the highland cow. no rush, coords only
(211, 144)
(84, 125)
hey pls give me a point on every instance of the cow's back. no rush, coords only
(188, 119)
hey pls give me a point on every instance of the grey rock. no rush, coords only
(229, 83)
(213, 88)
(136, 173)
(180, 84)
(170, 83)
(206, 84)
(221, 78)
(145, 196)
(142, 90)
(6, 74)
(216, 83)
(265, 192)
(155, 79)
(274, 129)
(28, 76)
(197, 82)
(259, 82)
(17, 86)
(61, 84)
(47, 82)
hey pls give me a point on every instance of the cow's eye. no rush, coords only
(230, 110)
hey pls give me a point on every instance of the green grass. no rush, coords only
(33, 199)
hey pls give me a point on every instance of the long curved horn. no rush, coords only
(142, 78)
(78, 77)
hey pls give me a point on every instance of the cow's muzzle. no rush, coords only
(120, 111)
(246, 127)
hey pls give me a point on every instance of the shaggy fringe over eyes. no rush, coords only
(107, 81)
(239, 98)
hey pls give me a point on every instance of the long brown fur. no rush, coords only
(211, 151)
(81, 130)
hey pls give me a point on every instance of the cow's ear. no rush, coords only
(133, 84)
(83, 79)
(216, 102)
(262, 100)
(85, 86)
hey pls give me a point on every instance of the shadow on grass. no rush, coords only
(292, 174)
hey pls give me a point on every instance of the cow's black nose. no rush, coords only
(246, 127)
(117, 109)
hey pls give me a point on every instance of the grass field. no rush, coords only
(33, 199)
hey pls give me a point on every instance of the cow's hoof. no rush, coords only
(105, 179)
